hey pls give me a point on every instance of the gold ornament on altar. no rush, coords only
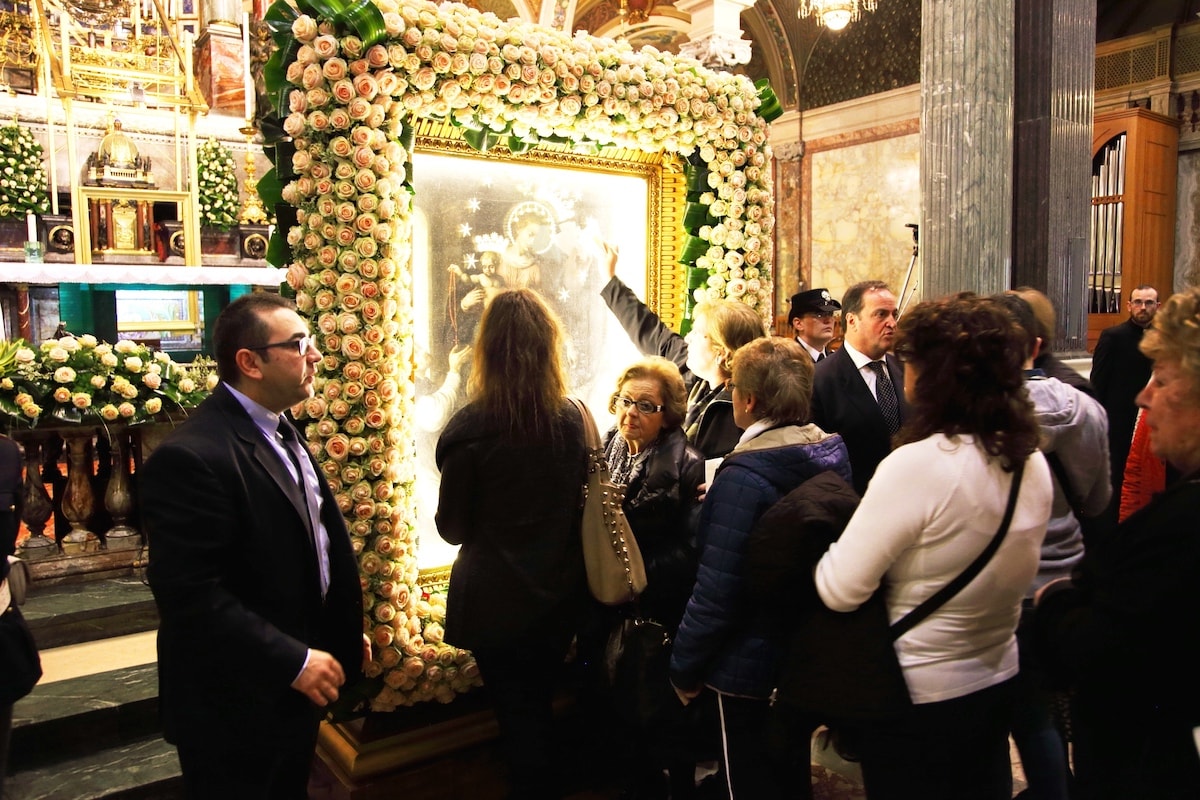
(116, 161)
(252, 207)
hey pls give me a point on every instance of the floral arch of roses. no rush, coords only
(348, 79)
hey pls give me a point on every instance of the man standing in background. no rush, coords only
(1119, 372)
(810, 319)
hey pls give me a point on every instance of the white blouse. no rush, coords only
(930, 509)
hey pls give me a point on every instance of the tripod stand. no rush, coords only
(904, 290)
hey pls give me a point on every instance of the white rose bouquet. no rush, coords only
(218, 186)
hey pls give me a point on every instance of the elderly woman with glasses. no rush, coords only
(649, 455)
(1122, 630)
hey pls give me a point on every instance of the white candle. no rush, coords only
(249, 88)
(31, 223)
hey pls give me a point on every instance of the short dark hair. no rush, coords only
(241, 325)
(1022, 314)
(852, 300)
(779, 373)
(1043, 312)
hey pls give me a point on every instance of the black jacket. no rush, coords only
(842, 403)
(513, 504)
(1124, 635)
(659, 500)
(234, 572)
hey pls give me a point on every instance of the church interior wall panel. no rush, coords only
(864, 188)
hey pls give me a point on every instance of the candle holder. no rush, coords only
(252, 208)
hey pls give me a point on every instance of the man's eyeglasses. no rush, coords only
(643, 406)
(301, 345)
(1145, 303)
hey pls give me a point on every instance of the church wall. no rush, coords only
(859, 186)
(1187, 228)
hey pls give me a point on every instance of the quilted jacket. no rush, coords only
(723, 642)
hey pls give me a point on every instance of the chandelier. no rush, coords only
(834, 14)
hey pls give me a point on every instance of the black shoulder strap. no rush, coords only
(939, 598)
(1060, 474)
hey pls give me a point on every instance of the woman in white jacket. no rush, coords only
(931, 508)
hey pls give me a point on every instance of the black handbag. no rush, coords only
(21, 667)
(637, 660)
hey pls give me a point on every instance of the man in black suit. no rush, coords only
(859, 391)
(811, 319)
(251, 567)
(1119, 372)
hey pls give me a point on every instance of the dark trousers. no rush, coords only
(521, 680)
(751, 773)
(949, 750)
(1039, 742)
(5, 734)
(237, 768)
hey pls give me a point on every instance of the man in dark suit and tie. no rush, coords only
(811, 319)
(859, 391)
(251, 567)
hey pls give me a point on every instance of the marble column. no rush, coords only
(1052, 189)
(967, 153)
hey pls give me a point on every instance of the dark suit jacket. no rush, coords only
(234, 572)
(1119, 372)
(843, 404)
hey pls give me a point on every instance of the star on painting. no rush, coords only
(564, 295)
(472, 204)
(464, 230)
(469, 260)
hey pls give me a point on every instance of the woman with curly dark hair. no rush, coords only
(931, 509)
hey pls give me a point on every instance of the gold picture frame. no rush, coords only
(498, 220)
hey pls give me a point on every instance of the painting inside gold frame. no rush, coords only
(486, 223)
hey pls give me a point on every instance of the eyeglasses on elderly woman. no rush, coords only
(623, 402)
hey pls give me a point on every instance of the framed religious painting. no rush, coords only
(484, 223)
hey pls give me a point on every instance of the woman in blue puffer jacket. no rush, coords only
(724, 643)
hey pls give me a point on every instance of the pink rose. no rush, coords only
(368, 268)
(339, 409)
(375, 418)
(352, 46)
(327, 256)
(296, 273)
(326, 47)
(359, 109)
(297, 101)
(346, 211)
(364, 223)
(318, 120)
(366, 86)
(339, 119)
(365, 180)
(344, 190)
(363, 156)
(295, 72)
(377, 55)
(348, 260)
(345, 236)
(316, 97)
(351, 302)
(343, 91)
(312, 77)
(324, 300)
(367, 248)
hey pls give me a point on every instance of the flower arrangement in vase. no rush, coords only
(22, 174)
(82, 380)
(218, 187)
